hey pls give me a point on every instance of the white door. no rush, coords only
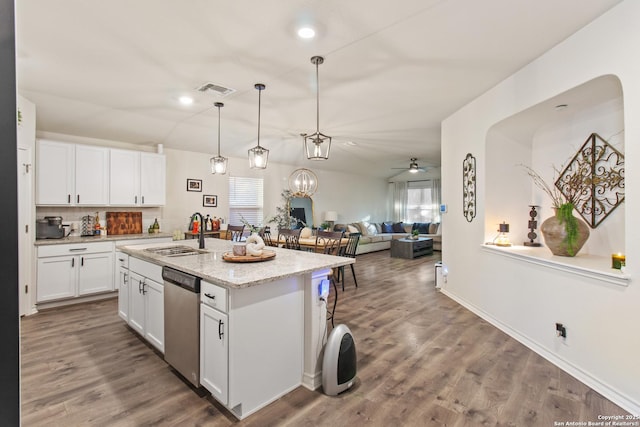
(214, 353)
(136, 303)
(56, 277)
(55, 173)
(154, 320)
(124, 178)
(152, 179)
(25, 230)
(95, 273)
(92, 175)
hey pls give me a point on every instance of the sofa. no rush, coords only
(378, 236)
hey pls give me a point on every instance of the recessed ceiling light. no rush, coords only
(350, 143)
(306, 33)
(186, 100)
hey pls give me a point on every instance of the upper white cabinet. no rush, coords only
(86, 175)
(137, 178)
(55, 173)
(71, 175)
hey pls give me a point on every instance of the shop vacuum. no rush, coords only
(339, 361)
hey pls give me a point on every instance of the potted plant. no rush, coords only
(415, 234)
(563, 233)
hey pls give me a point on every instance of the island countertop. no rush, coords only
(211, 267)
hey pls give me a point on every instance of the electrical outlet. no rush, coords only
(561, 331)
(323, 289)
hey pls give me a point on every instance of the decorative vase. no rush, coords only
(555, 235)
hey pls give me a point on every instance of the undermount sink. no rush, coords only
(175, 251)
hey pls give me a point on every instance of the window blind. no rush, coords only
(245, 200)
(422, 203)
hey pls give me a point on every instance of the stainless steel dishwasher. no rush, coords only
(182, 323)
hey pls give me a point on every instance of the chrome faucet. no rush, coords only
(201, 236)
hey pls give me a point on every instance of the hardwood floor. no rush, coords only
(423, 360)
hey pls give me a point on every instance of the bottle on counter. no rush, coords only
(156, 226)
(97, 225)
(215, 224)
(207, 223)
(196, 226)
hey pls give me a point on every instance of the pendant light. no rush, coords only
(218, 163)
(317, 145)
(258, 156)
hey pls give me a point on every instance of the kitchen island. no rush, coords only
(272, 318)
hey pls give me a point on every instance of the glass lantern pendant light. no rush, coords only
(317, 145)
(218, 163)
(258, 156)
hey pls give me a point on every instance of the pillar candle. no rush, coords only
(617, 260)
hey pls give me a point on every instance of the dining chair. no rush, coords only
(349, 251)
(290, 238)
(265, 233)
(234, 232)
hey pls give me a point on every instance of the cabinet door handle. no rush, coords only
(220, 331)
(139, 286)
(81, 261)
(78, 198)
(210, 296)
(143, 200)
(135, 200)
(144, 291)
(125, 278)
(73, 262)
(69, 198)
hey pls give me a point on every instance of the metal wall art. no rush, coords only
(594, 180)
(469, 187)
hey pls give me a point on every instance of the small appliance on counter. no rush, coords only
(88, 226)
(50, 227)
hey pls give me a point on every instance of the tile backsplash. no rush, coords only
(73, 215)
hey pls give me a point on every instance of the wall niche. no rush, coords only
(546, 137)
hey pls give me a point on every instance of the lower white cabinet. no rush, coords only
(214, 352)
(68, 271)
(146, 301)
(121, 274)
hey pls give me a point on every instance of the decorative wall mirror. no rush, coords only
(301, 208)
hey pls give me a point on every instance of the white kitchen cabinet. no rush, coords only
(55, 173)
(71, 175)
(73, 270)
(121, 275)
(152, 179)
(56, 278)
(146, 301)
(91, 175)
(137, 178)
(214, 352)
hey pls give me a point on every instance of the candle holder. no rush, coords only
(618, 261)
(533, 224)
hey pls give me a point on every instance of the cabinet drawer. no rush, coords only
(122, 260)
(214, 296)
(146, 269)
(74, 249)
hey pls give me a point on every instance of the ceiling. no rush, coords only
(393, 70)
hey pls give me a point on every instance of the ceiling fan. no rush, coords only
(413, 166)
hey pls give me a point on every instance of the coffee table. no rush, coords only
(411, 248)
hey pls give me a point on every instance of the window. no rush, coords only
(245, 200)
(423, 201)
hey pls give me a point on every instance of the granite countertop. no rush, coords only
(211, 267)
(91, 239)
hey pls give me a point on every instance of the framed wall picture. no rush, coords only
(194, 184)
(210, 201)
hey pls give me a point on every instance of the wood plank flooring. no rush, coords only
(423, 360)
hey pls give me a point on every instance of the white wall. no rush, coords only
(353, 197)
(524, 299)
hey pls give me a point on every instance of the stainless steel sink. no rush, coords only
(175, 251)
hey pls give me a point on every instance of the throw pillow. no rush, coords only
(433, 228)
(387, 227)
(372, 230)
(363, 226)
(423, 227)
(378, 228)
(398, 227)
(352, 229)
